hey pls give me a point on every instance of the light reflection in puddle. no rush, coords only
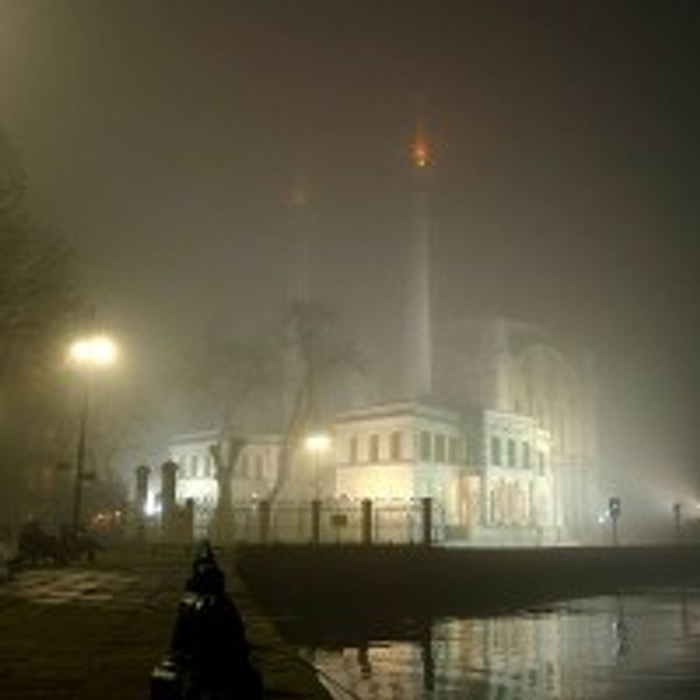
(627, 646)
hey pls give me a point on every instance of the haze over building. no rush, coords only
(495, 422)
(162, 138)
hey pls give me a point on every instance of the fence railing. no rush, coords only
(338, 521)
(327, 521)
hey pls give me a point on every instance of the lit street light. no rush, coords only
(87, 354)
(317, 444)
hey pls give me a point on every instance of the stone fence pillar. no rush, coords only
(168, 482)
(426, 508)
(142, 474)
(315, 521)
(366, 521)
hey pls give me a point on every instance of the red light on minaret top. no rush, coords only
(420, 152)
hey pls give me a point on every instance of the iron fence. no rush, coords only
(339, 521)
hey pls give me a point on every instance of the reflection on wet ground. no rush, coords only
(641, 644)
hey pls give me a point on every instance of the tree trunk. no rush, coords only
(225, 455)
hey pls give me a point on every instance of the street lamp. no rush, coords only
(87, 354)
(614, 512)
(317, 444)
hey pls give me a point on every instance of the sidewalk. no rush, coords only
(94, 632)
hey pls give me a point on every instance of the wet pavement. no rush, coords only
(95, 631)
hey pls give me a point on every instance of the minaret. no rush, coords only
(418, 365)
(299, 290)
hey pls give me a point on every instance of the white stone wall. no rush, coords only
(376, 481)
(428, 464)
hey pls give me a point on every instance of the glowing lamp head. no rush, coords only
(96, 351)
(317, 442)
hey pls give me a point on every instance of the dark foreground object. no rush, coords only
(36, 546)
(444, 581)
(209, 655)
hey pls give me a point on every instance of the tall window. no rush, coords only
(511, 453)
(440, 448)
(374, 448)
(194, 466)
(526, 455)
(425, 446)
(496, 451)
(353, 450)
(453, 451)
(395, 446)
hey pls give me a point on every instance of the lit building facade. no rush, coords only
(507, 456)
(405, 451)
(535, 404)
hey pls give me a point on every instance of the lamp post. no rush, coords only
(614, 511)
(316, 444)
(677, 520)
(87, 354)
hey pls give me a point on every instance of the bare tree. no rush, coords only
(39, 305)
(294, 365)
(314, 357)
(38, 297)
(228, 377)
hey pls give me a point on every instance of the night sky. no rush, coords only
(165, 138)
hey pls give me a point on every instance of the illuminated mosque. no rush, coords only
(496, 426)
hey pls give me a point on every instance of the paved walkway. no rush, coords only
(94, 632)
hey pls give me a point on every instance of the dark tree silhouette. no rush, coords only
(314, 356)
(228, 376)
(39, 305)
(290, 367)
